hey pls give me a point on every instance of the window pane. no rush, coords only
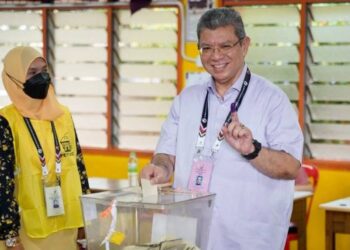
(145, 75)
(328, 85)
(18, 28)
(79, 46)
(271, 54)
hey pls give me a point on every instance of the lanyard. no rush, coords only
(44, 169)
(205, 116)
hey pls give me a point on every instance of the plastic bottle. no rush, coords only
(132, 170)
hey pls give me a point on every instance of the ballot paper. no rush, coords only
(148, 189)
(172, 244)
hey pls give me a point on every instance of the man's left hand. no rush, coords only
(239, 136)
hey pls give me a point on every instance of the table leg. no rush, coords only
(330, 234)
(299, 219)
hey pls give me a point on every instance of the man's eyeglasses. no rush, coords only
(222, 49)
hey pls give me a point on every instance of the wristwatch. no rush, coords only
(12, 242)
(254, 154)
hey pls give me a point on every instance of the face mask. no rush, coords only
(37, 86)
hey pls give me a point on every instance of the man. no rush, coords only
(240, 133)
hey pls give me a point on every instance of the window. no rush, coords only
(271, 54)
(79, 62)
(116, 72)
(144, 76)
(328, 82)
(18, 28)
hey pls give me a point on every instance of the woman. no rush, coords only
(42, 173)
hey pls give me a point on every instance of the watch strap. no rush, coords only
(255, 153)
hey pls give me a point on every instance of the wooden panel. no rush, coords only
(331, 13)
(85, 104)
(90, 121)
(338, 34)
(147, 17)
(148, 36)
(80, 54)
(147, 90)
(81, 70)
(81, 36)
(330, 151)
(291, 90)
(81, 18)
(138, 142)
(276, 14)
(144, 124)
(273, 34)
(330, 131)
(138, 107)
(89, 88)
(147, 54)
(92, 138)
(18, 18)
(16, 36)
(330, 73)
(330, 92)
(281, 73)
(147, 71)
(330, 112)
(339, 53)
(272, 54)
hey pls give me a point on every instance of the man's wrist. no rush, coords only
(255, 153)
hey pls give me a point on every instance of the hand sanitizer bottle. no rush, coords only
(132, 170)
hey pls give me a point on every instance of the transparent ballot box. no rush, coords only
(127, 220)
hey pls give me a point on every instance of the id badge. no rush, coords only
(201, 172)
(54, 201)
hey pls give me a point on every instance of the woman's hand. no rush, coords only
(81, 239)
(18, 246)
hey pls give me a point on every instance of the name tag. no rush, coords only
(54, 201)
(200, 175)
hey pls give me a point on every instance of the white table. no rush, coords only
(337, 220)
(302, 195)
(100, 184)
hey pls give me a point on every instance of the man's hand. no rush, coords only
(273, 163)
(239, 136)
(160, 169)
(156, 174)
